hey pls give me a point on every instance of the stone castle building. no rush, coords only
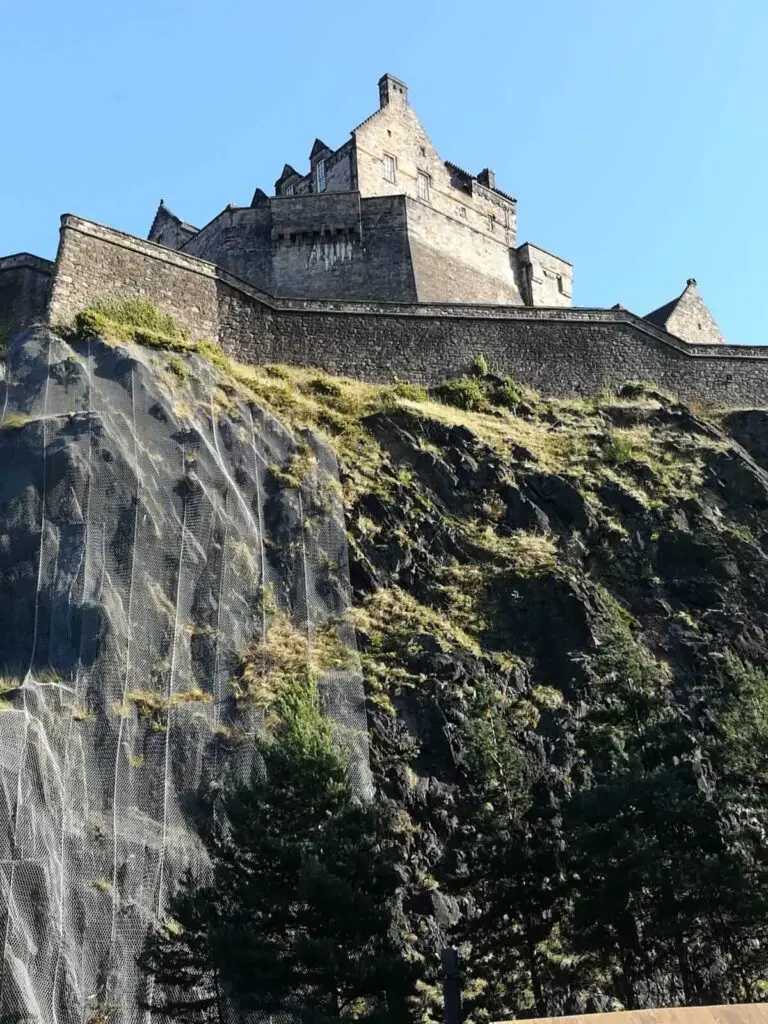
(382, 218)
(382, 261)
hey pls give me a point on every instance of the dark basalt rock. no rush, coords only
(564, 506)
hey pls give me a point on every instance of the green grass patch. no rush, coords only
(287, 654)
(132, 320)
(618, 448)
(411, 392)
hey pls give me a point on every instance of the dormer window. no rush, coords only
(320, 176)
(389, 168)
(422, 186)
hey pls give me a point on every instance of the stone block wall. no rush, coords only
(238, 239)
(25, 284)
(318, 246)
(556, 356)
(557, 351)
(546, 280)
(95, 262)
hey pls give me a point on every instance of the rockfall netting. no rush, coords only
(153, 526)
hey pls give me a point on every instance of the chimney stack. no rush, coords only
(392, 90)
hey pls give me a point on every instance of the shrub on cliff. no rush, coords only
(479, 366)
(506, 393)
(462, 393)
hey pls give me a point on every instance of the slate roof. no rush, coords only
(663, 313)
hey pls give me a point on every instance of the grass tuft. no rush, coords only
(15, 421)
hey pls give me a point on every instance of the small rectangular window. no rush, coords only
(320, 175)
(423, 186)
(492, 223)
(288, 191)
(560, 285)
(389, 168)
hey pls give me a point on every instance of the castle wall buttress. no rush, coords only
(25, 284)
(452, 262)
(95, 262)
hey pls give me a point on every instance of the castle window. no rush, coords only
(422, 186)
(492, 223)
(560, 285)
(320, 175)
(389, 168)
(463, 212)
(288, 190)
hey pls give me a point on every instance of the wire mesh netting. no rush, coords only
(142, 528)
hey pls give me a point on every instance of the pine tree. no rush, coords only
(300, 915)
(179, 961)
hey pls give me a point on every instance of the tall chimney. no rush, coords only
(392, 90)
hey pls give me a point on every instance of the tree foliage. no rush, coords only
(300, 914)
(642, 878)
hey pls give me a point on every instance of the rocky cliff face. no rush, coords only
(147, 540)
(177, 533)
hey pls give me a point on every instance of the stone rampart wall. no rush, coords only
(25, 283)
(558, 351)
(95, 262)
(315, 246)
(556, 356)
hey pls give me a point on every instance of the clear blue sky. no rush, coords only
(633, 134)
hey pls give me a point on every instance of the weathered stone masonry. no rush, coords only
(557, 350)
(382, 218)
(25, 283)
